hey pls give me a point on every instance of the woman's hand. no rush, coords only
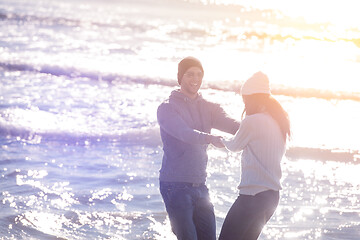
(216, 141)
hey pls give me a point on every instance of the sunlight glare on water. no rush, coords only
(310, 203)
(319, 11)
(319, 51)
(336, 121)
(81, 82)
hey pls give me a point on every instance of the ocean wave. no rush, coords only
(69, 22)
(7, 16)
(320, 154)
(73, 72)
(256, 15)
(225, 85)
(150, 137)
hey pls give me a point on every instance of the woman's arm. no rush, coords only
(241, 138)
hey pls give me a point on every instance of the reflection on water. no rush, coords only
(81, 82)
(100, 198)
(89, 186)
(318, 199)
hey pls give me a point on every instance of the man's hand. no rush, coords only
(216, 141)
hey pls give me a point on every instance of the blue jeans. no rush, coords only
(190, 211)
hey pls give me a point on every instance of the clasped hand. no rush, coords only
(216, 141)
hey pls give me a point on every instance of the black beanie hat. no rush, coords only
(187, 63)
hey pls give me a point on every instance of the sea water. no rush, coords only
(80, 83)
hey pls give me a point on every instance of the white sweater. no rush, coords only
(263, 146)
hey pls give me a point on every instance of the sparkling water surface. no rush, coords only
(80, 83)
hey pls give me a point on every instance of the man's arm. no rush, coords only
(223, 122)
(172, 123)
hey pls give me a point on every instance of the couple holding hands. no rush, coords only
(186, 120)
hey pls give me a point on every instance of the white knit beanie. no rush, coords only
(258, 83)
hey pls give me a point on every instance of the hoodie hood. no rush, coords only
(177, 95)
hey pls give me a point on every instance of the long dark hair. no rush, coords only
(259, 102)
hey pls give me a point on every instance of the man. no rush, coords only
(186, 120)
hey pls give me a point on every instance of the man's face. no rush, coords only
(191, 80)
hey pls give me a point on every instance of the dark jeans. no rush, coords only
(248, 215)
(190, 211)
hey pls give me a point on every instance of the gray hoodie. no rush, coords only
(184, 125)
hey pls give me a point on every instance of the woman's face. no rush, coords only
(250, 106)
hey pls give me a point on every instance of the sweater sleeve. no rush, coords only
(171, 122)
(241, 138)
(223, 122)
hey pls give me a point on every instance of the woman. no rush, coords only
(262, 137)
